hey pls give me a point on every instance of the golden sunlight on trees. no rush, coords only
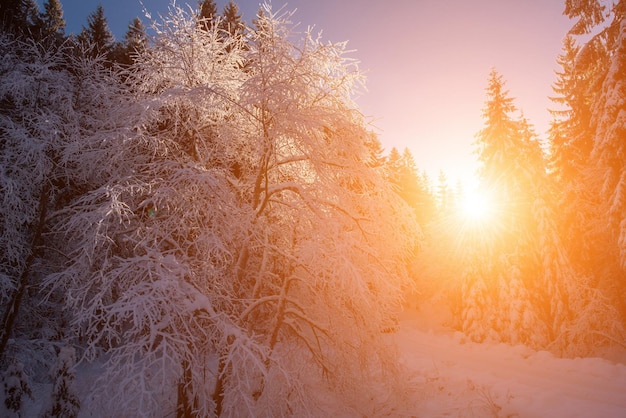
(510, 290)
(508, 275)
(533, 256)
(541, 260)
(200, 222)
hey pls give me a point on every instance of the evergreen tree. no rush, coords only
(378, 159)
(135, 42)
(496, 139)
(20, 17)
(136, 38)
(589, 13)
(513, 171)
(416, 189)
(97, 36)
(401, 172)
(52, 21)
(231, 22)
(65, 402)
(445, 196)
(16, 386)
(393, 166)
(571, 140)
(608, 157)
(207, 15)
(586, 168)
(540, 298)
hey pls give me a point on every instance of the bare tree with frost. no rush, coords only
(243, 257)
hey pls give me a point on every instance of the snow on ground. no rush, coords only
(451, 377)
(463, 379)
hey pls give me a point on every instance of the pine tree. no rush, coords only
(586, 169)
(445, 198)
(97, 36)
(135, 42)
(207, 15)
(231, 22)
(571, 140)
(401, 172)
(513, 171)
(377, 157)
(496, 139)
(394, 164)
(20, 17)
(417, 190)
(590, 13)
(608, 122)
(16, 386)
(53, 24)
(65, 402)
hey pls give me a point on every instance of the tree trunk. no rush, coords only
(13, 307)
(186, 403)
(218, 392)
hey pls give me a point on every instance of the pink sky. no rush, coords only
(426, 62)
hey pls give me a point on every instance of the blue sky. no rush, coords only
(426, 61)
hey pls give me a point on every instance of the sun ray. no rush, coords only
(476, 206)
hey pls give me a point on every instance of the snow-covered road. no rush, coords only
(462, 379)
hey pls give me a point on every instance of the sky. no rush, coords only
(426, 62)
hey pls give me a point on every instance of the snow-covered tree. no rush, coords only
(52, 22)
(571, 143)
(247, 242)
(571, 139)
(585, 171)
(606, 171)
(135, 42)
(36, 97)
(58, 121)
(401, 172)
(16, 388)
(207, 14)
(507, 282)
(97, 34)
(65, 402)
(231, 22)
(589, 13)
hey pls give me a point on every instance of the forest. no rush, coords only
(200, 219)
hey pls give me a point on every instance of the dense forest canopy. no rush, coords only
(203, 220)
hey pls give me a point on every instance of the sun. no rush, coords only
(476, 206)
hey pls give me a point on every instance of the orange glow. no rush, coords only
(476, 206)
